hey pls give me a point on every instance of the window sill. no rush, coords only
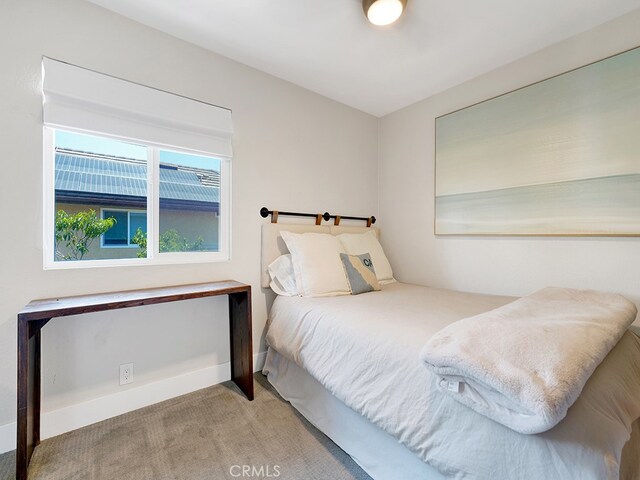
(162, 259)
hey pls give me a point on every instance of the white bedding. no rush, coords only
(364, 350)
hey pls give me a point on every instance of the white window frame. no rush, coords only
(154, 257)
(129, 212)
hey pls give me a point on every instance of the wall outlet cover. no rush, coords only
(126, 373)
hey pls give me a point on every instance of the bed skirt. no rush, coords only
(377, 452)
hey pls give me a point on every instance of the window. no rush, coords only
(149, 188)
(104, 203)
(123, 233)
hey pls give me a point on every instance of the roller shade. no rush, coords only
(78, 98)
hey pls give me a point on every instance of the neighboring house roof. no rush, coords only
(89, 178)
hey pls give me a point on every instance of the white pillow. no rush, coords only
(316, 264)
(359, 243)
(283, 279)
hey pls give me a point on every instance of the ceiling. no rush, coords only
(328, 46)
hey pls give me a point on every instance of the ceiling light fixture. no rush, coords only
(383, 12)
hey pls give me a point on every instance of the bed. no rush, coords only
(350, 365)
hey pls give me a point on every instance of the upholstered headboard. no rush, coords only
(273, 246)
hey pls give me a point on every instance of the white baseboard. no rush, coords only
(8, 437)
(82, 414)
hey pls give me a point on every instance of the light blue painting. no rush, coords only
(559, 157)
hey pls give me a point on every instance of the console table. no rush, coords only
(37, 313)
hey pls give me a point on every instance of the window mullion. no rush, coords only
(153, 201)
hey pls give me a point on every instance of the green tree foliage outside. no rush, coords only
(77, 232)
(170, 241)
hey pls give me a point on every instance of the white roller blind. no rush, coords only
(79, 98)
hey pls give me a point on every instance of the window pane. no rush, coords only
(117, 235)
(137, 220)
(189, 202)
(97, 179)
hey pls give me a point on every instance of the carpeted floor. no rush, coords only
(211, 434)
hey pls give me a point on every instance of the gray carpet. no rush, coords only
(199, 436)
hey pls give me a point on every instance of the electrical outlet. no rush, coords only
(126, 373)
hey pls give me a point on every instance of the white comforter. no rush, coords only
(365, 350)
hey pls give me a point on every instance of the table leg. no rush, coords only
(28, 418)
(241, 341)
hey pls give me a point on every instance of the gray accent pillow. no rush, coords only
(360, 273)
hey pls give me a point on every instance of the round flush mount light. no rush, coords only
(383, 12)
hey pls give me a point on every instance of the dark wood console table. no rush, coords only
(37, 313)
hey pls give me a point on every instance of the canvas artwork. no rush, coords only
(559, 157)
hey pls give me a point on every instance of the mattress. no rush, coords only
(364, 351)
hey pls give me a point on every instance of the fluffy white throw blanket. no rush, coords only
(524, 364)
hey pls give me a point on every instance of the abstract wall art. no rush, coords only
(559, 157)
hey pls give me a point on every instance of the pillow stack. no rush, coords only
(323, 265)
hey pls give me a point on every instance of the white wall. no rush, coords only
(501, 265)
(294, 150)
